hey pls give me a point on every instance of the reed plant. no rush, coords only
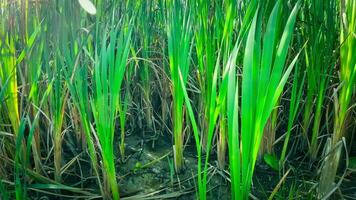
(11, 60)
(109, 70)
(206, 48)
(214, 36)
(263, 80)
(179, 34)
(343, 101)
(78, 86)
(81, 72)
(321, 39)
(25, 139)
(217, 88)
(216, 25)
(347, 67)
(54, 69)
(75, 55)
(33, 69)
(219, 94)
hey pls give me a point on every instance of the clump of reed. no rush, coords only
(179, 35)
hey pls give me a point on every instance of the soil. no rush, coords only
(151, 172)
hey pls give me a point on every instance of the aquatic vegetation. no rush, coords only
(177, 99)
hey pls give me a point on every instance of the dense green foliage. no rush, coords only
(89, 86)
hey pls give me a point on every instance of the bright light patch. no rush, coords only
(88, 6)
